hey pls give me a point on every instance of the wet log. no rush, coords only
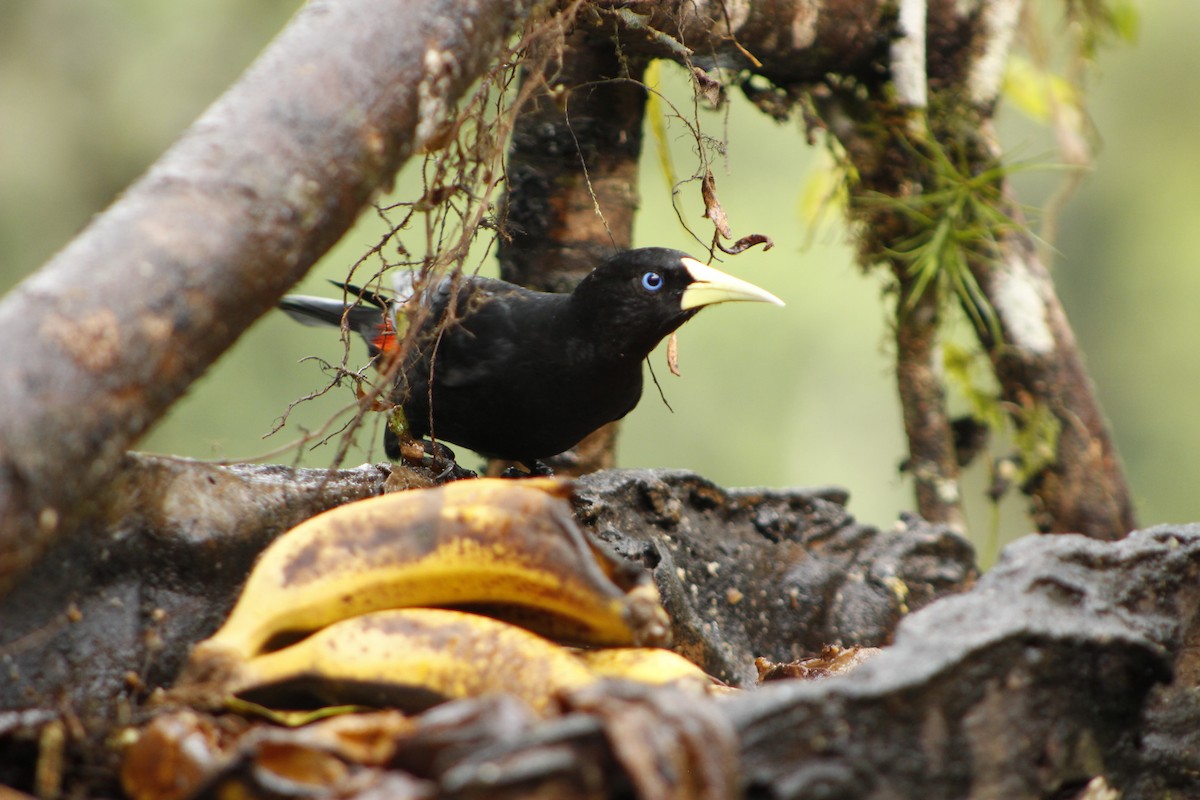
(1072, 661)
(778, 574)
(1052, 675)
(108, 616)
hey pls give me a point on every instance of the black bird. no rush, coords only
(523, 375)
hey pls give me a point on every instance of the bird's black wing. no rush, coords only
(484, 341)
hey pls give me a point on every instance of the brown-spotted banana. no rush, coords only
(652, 665)
(503, 544)
(412, 658)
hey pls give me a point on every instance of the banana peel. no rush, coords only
(413, 658)
(652, 665)
(509, 547)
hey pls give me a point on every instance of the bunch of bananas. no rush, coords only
(431, 594)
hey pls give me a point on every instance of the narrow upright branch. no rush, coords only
(573, 164)
(572, 184)
(908, 56)
(998, 25)
(932, 461)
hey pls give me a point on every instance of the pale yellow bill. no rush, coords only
(710, 285)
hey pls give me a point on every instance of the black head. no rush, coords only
(638, 297)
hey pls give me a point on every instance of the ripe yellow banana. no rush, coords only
(501, 543)
(412, 658)
(645, 665)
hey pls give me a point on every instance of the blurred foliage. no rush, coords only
(92, 92)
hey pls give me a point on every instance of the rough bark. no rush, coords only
(573, 164)
(1040, 369)
(902, 152)
(117, 325)
(760, 569)
(1050, 676)
(93, 631)
(151, 571)
(932, 461)
(773, 573)
(788, 43)
(1052, 671)
(572, 184)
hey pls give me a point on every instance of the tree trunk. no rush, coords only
(572, 186)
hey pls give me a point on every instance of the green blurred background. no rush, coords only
(91, 91)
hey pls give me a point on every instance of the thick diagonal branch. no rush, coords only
(119, 323)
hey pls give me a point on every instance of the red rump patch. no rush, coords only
(385, 340)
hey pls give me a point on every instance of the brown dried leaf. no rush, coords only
(714, 212)
(437, 195)
(367, 738)
(712, 206)
(173, 756)
(673, 353)
(302, 768)
(712, 89)
(745, 243)
(833, 660)
(671, 743)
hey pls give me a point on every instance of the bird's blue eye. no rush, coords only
(652, 281)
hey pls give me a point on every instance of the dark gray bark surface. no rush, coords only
(743, 573)
(154, 571)
(778, 574)
(1053, 668)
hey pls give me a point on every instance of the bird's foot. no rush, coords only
(537, 469)
(442, 459)
(435, 457)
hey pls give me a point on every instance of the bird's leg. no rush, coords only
(443, 457)
(431, 455)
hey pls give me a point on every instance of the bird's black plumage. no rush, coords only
(524, 375)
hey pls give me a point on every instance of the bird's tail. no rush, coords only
(364, 312)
